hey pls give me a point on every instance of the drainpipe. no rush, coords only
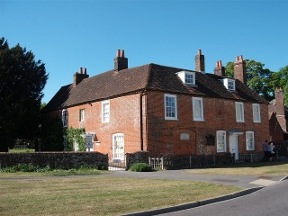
(141, 121)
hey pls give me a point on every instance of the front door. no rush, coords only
(118, 147)
(233, 145)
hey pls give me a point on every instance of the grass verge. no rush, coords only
(257, 169)
(39, 194)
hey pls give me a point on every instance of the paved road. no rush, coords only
(269, 201)
(255, 201)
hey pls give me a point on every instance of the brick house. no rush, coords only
(164, 110)
(278, 118)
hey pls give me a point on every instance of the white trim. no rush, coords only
(118, 146)
(172, 113)
(198, 115)
(239, 112)
(221, 139)
(187, 80)
(256, 109)
(250, 141)
(229, 84)
(82, 115)
(65, 117)
(105, 112)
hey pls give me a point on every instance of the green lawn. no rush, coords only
(273, 169)
(39, 194)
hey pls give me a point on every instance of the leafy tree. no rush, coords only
(51, 135)
(280, 80)
(258, 78)
(22, 80)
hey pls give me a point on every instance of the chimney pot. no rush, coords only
(122, 54)
(79, 76)
(240, 69)
(120, 62)
(219, 69)
(199, 61)
(118, 53)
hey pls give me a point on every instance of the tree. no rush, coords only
(51, 136)
(280, 80)
(22, 80)
(258, 78)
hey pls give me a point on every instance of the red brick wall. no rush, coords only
(219, 114)
(124, 118)
(162, 136)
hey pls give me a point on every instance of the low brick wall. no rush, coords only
(58, 160)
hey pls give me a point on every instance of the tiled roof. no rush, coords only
(147, 77)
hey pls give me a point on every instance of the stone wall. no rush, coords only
(55, 160)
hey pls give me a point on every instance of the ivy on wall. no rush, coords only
(75, 135)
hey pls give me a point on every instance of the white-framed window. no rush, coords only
(256, 113)
(239, 106)
(198, 113)
(250, 143)
(229, 84)
(170, 107)
(81, 115)
(118, 146)
(221, 141)
(105, 111)
(65, 117)
(187, 77)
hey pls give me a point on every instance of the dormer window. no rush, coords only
(229, 84)
(187, 77)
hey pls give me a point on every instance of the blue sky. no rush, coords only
(69, 34)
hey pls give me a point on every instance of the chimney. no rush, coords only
(199, 62)
(219, 69)
(79, 76)
(240, 69)
(279, 108)
(120, 62)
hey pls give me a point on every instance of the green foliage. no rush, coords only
(22, 79)
(52, 136)
(24, 168)
(229, 69)
(102, 166)
(259, 79)
(75, 135)
(140, 167)
(283, 82)
(83, 170)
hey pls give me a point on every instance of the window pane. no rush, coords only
(239, 112)
(256, 113)
(198, 109)
(170, 107)
(105, 111)
(250, 144)
(221, 141)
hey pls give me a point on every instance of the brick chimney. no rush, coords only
(279, 108)
(199, 62)
(219, 69)
(79, 76)
(120, 62)
(240, 69)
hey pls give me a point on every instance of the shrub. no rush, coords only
(140, 167)
(102, 166)
(24, 168)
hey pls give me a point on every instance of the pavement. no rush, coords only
(249, 184)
